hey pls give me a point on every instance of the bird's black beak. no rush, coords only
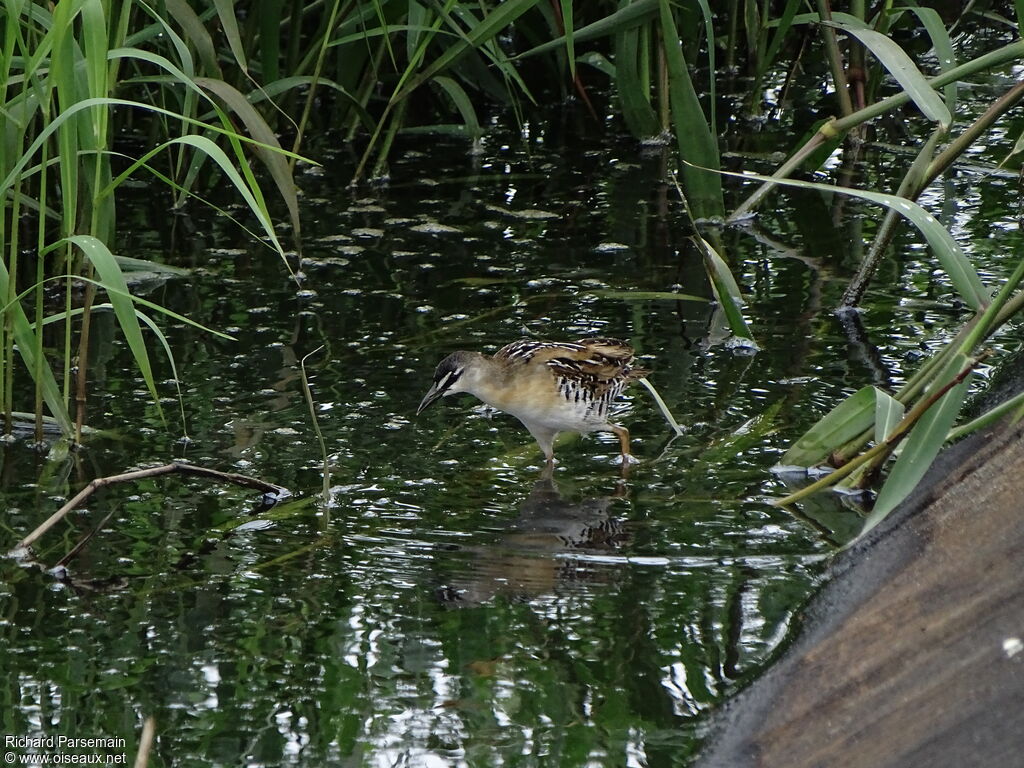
(433, 394)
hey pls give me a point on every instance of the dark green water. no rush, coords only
(447, 608)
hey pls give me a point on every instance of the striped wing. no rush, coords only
(600, 360)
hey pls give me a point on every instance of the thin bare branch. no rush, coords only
(176, 467)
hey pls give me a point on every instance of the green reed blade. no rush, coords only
(922, 446)
(956, 264)
(24, 337)
(782, 27)
(462, 103)
(630, 14)
(195, 31)
(110, 275)
(697, 145)
(570, 38)
(272, 153)
(839, 426)
(229, 24)
(484, 30)
(943, 46)
(888, 413)
(727, 293)
(631, 86)
(901, 67)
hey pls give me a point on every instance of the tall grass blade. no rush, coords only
(901, 67)
(485, 30)
(110, 275)
(697, 145)
(727, 293)
(782, 27)
(709, 34)
(270, 39)
(229, 23)
(181, 12)
(943, 46)
(271, 153)
(24, 337)
(631, 87)
(570, 42)
(629, 15)
(462, 103)
(956, 264)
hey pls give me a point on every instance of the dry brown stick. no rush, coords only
(139, 474)
(145, 742)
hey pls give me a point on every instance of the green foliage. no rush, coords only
(220, 80)
(62, 69)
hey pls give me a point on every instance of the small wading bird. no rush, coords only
(550, 386)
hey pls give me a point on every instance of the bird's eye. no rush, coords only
(447, 379)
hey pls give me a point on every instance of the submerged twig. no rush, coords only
(166, 469)
(311, 404)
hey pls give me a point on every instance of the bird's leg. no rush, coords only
(547, 473)
(627, 457)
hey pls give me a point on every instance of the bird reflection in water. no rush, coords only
(533, 556)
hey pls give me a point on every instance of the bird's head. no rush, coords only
(450, 377)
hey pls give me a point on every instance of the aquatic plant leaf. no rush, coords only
(901, 67)
(727, 293)
(484, 30)
(782, 26)
(124, 308)
(462, 103)
(570, 42)
(888, 413)
(646, 295)
(846, 19)
(229, 23)
(287, 83)
(272, 153)
(25, 340)
(196, 33)
(839, 426)
(956, 264)
(631, 14)
(698, 147)
(943, 46)
(922, 446)
(1006, 408)
(632, 85)
(130, 264)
